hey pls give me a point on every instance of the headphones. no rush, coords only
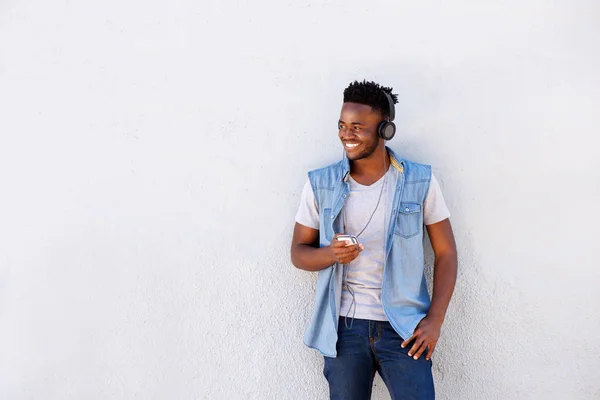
(387, 129)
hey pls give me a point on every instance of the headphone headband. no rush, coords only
(391, 106)
(387, 129)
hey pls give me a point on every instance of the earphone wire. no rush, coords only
(345, 275)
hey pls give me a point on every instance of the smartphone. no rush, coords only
(349, 239)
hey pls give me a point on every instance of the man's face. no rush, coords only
(358, 130)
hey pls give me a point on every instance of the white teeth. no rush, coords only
(350, 145)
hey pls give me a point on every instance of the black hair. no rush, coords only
(370, 94)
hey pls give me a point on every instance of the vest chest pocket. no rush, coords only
(408, 223)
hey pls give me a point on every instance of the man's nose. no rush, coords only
(346, 133)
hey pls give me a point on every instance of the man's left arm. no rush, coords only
(428, 330)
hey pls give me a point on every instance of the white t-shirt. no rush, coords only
(363, 276)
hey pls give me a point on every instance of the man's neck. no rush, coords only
(369, 170)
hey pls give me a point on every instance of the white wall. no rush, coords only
(151, 160)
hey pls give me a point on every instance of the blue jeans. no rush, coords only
(369, 346)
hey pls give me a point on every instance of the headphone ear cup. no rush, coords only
(386, 130)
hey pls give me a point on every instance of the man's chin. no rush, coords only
(355, 156)
(352, 155)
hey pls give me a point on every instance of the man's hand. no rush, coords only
(426, 336)
(343, 252)
(427, 332)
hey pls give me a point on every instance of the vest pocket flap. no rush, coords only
(409, 220)
(409, 208)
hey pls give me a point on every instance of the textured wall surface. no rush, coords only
(152, 156)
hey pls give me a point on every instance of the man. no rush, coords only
(372, 310)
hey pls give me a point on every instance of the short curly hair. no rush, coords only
(370, 94)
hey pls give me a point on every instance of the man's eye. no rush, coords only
(357, 128)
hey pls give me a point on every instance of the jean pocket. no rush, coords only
(408, 223)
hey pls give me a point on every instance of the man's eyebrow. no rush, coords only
(351, 123)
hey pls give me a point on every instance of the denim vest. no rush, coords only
(404, 293)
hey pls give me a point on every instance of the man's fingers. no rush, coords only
(407, 341)
(430, 351)
(345, 251)
(418, 343)
(338, 243)
(420, 351)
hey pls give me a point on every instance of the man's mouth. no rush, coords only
(350, 145)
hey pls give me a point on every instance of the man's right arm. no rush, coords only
(307, 255)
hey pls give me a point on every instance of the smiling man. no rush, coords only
(372, 311)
